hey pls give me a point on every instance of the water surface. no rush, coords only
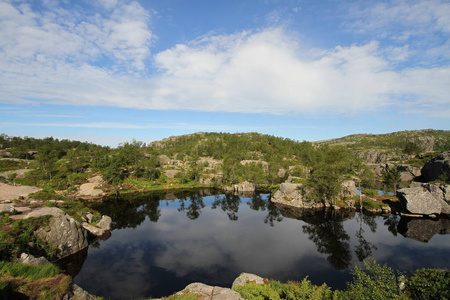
(159, 246)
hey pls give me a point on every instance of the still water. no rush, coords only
(161, 243)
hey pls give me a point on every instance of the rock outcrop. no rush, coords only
(102, 229)
(10, 192)
(210, 292)
(425, 199)
(348, 189)
(92, 189)
(407, 172)
(295, 195)
(245, 278)
(242, 189)
(64, 233)
(437, 167)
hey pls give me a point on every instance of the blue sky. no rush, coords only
(108, 71)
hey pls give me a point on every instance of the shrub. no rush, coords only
(291, 290)
(429, 284)
(47, 195)
(370, 192)
(373, 282)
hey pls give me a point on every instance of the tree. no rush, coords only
(391, 177)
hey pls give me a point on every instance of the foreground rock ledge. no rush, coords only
(219, 293)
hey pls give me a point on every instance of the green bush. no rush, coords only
(291, 290)
(370, 192)
(373, 281)
(429, 284)
(47, 195)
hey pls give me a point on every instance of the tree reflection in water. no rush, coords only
(229, 204)
(364, 248)
(327, 231)
(194, 208)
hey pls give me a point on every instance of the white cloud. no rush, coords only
(268, 71)
(60, 35)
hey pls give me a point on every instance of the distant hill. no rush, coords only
(376, 148)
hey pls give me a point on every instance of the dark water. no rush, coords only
(159, 246)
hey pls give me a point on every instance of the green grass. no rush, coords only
(29, 271)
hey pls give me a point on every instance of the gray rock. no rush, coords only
(418, 200)
(244, 187)
(210, 292)
(32, 260)
(436, 167)
(288, 188)
(93, 229)
(245, 278)
(80, 294)
(348, 189)
(407, 172)
(45, 211)
(8, 208)
(105, 223)
(89, 217)
(64, 233)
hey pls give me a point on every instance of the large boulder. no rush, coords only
(424, 199)
(64, 233)
(204, 291)
(436, 167)
(92, 189)
(245, 278)
(407, 172)
(348, 189)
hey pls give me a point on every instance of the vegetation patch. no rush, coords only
(33, 282)
(10, 165)
(18, 236)
(47, 195)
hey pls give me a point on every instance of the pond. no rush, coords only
(161, 243)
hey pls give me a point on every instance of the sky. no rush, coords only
(109, 71)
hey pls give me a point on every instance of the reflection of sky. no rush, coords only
(157, 259)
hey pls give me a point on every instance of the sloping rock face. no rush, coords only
(64, 233)
(92, 189)
(10, 192)
(211, 292)
(425, 199)
(440, 165)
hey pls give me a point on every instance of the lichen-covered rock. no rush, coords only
(64, 233)
(245, 278)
